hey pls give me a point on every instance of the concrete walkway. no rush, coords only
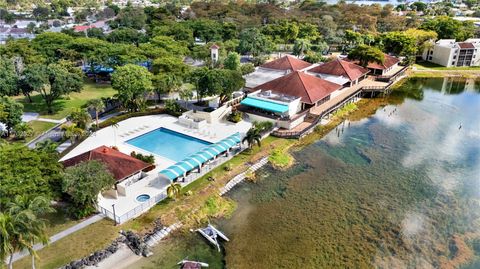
(52, 120)
(17, 256)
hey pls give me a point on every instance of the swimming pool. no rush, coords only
(169, 144)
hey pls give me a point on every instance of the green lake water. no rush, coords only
(399, 189)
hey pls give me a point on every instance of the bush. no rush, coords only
(247, 68)
(125, 116)
(173, 108)
(259, 60)
(263, 126)
(146, 158)
(235, 116)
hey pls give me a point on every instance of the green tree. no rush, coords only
(232, 61)
(253, 42)
(449, 28)
(12, 113)
(47, 146)
(247, 68)
(30, 228)
(80, 117)
(83, 182)
(170, 64)
(165, 83)
(98, 105)
(308, 31)
(130, 17)
(126, 35)
(186, 94)
(301, 46)
(221, 82)
(173, 190)
(72, 132)
(365, 54)
(253, 137)
(54, 80)
(8, 83)
(132, 82)
(27, 172)
(22, 130)
(399, 43)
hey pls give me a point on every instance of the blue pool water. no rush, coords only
(143, 197)
(169, 144)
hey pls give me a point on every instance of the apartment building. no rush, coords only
(449, 53)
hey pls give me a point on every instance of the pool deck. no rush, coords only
(134, 127)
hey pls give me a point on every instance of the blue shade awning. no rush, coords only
(195, 160)
(265, 105)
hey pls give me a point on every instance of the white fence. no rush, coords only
(143, 207)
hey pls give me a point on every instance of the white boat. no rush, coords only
(211, 233)
(187, 262)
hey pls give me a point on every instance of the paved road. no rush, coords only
(60, 235)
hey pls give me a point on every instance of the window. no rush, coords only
(454, 57)
(453, 63)
(430, 58)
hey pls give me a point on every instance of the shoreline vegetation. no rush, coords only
(199, 201)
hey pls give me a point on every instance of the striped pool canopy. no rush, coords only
(197, 159)
(265, 105)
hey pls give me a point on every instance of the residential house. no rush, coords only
(340, 71)
(286, 100)
(449, 53)
(124, 168)
(390, 63)
(274, 69)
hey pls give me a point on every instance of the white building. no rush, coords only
(447, 52)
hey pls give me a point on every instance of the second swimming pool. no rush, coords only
(169, 144)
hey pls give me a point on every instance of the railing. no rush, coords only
(393, 77)
(138, 210)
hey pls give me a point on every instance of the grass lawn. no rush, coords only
(39, 127)
(82, 243)
(432, 66)
(65, 105)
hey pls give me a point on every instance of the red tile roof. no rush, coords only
(287, 62)
(119, 164)
(389, 62)
(340, 67)
(466, 45)
(82, 28)
(310, 88)
(214, 46)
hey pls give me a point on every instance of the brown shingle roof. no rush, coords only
(287, 62)
(310, 88)
(119, 164)
(466, 45)
(340, 67)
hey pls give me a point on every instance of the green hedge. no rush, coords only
(128, 115)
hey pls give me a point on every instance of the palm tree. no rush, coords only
(21, 227)
(80, 117)
(186, 93)
(22, 130)
(174, 190)
(253, 137)
(71, 131)
(7, 227)
(98, 106)
(46, 145)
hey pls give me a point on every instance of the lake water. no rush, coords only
(399, 189)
